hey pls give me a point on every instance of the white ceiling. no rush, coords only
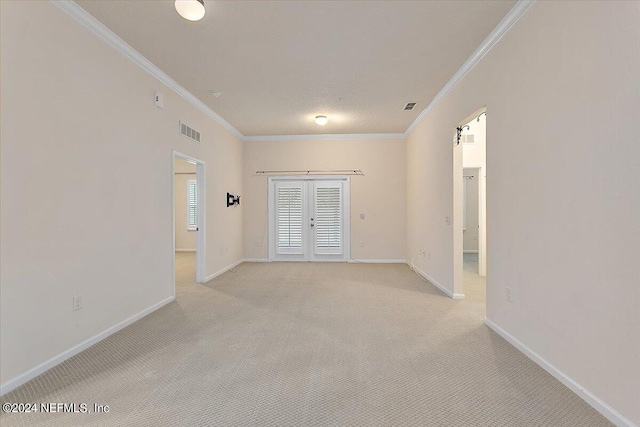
(278, 64)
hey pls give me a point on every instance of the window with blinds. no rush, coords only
(328, 220)
(192, 205)
(289, 217)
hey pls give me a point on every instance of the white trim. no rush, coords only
(270, 218)
(256, 260)
(96, 27)
(201, 233)
(435, 283)
(185, 250)
(598, 404)
(100, 30)
(324, 137)
(503, 27)
(222, 271)
(201, 243)
(308, 177)
(470, 251)
(482, 217)
(378, 261)
(347, 218)
(56, 360)
(271, 180)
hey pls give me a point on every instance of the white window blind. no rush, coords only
(328, 221)
(289, 217)
(192, 204)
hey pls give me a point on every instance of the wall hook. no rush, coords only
(459, 135)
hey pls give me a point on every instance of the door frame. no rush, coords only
(482, 229)
(457, 236)
(347, 211)
(201, 245)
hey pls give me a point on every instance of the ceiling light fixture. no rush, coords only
(321, 120)
(192, 10)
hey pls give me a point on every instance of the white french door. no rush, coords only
(309, 219)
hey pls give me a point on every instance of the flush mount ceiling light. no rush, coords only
(321, 120)
(192, 10)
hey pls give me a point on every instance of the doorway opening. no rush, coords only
(309, 219)
(189, 219)
(470, 231)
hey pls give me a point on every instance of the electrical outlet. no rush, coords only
(257, 243)
(509, 294)
(77, 302)
(361, 216)
(361, 244)
(448, 220)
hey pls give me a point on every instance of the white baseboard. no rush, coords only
(185, 250)
(378, 261)
(222, 271)
(606, 410)
(470, 251)
(435, 283)
(255, 260)
(56, 360)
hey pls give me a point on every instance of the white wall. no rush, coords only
(184, 172)
(86, 186)
(563, 100)
(379, 194)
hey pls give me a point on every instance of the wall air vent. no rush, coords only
(409, 106)
(189, 132)
(468, 139)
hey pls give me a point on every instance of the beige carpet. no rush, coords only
(300, 344)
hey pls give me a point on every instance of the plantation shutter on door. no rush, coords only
(328, 218)
(289, 214)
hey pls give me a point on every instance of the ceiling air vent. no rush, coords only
(409, 106)
(189, 132)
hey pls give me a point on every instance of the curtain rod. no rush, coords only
(313, 172)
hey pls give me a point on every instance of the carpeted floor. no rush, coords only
(302, 344)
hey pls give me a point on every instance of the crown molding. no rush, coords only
(99, 29)
(96, 27)
(323, 137)
(503, 27)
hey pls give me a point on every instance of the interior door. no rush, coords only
(309, 220)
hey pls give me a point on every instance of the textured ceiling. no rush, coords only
(278, 64)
